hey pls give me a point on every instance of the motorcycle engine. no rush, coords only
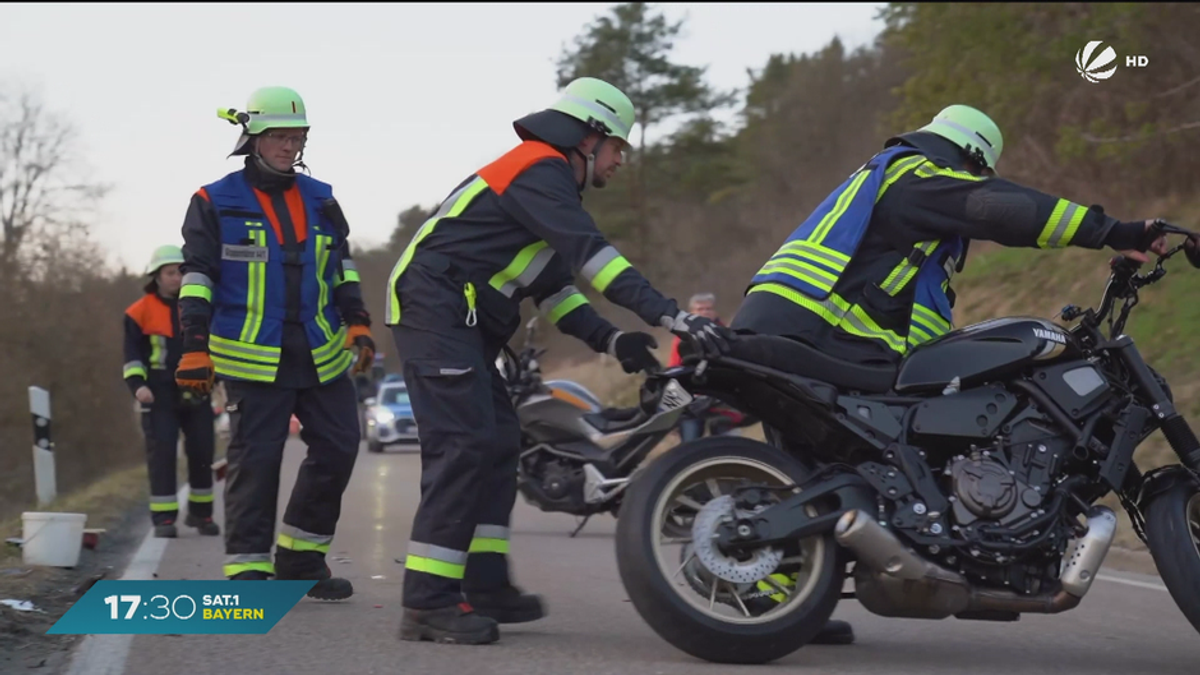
(984, 487)
(553, 483)
(996, 494)
(560, 480)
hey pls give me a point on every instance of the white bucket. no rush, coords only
(52, 539)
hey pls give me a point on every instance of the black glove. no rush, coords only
(711, 338)
(633, 351)
(1191, 248)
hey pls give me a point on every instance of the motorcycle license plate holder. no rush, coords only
(673, 397)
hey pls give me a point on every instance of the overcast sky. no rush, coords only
(405, 100)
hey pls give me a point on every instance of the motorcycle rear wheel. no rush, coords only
(668, 601)
(1173, 534)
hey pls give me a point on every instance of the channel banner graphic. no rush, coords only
(161, 607)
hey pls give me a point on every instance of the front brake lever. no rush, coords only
(1163, 227)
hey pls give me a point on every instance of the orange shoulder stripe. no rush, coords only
(501, 173)
(152, 315)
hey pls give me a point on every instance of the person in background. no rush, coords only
(152, 351)
(705, 305)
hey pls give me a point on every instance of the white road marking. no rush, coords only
(1149, 585)
(106, 654)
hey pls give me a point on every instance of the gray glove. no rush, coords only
(711, 338)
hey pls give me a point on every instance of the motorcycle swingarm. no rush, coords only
(789, 521)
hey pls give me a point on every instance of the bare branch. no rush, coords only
(40, 195)
(1139, 137)
(1176, 90)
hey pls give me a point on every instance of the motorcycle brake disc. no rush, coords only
(704, 528)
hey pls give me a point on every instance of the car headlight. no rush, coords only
(384, 416)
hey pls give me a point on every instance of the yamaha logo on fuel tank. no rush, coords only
(1050, 335)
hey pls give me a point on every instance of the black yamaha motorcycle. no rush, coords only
(577, 456)
(962, 483)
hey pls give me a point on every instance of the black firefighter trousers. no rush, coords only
(162, 421)
(259, 415)
(470, 443)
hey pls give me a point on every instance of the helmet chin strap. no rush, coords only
(589, 173)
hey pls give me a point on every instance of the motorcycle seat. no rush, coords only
(797, 358)
(612, 420)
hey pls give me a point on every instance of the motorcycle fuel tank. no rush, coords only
(556, 414)
(985, 351)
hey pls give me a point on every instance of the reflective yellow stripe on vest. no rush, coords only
(821, 266)
(243, 359)
(839, 209)
(895, 171)
(332, 358)
(454, 205)
(256, 290)
(907, 270)
(810, 262)
(926, 325)
(323, 244)
(839, 313)
(158, 352)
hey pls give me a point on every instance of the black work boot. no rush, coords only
(205, 526)
(309, 565)
(456, 624)
(166, 530)
(507, 605)
(835, 632)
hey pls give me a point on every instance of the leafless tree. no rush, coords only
(42, 194)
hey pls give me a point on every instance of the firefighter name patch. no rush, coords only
(244, 253)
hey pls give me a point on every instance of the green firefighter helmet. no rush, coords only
(267, 108)
(164, 255)
(971, 130)
(587, 103)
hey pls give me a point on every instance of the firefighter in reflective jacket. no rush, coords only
(271, 304)
(152, 350)
(866, 278)
(514, 229)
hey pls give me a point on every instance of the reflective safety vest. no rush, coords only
(806, 269)
(249, 305)
(153, 316)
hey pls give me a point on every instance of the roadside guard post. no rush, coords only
(43, 447)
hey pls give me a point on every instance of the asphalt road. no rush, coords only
(1121, 627)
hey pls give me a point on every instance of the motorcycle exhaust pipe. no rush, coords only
(896, 582)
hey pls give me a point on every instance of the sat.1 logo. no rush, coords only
(1097, 67)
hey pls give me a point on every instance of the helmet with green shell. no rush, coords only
(586, 104)
(972, 131)
(164, 255)
(267, 108)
